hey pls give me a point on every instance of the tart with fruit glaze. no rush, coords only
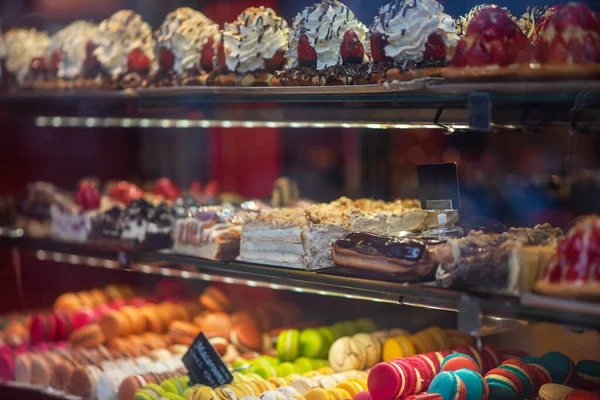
(185, 48)
(254, 47)
(409, 39)
(574, 271)
(567, 43)
(462, 22)
(327, 46)
(493, 47)
(25, 62)
(70, 60)
(530, 19)
(125, 50)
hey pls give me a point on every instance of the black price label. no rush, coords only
(438, 186)
(204, 365)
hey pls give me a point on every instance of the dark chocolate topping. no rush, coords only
(388, 246)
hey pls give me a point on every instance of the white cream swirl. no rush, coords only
(119, 35)
(72, 42)
(185, 32)
(325, 24)
(22, 47)
(407, 25)
(255, 36)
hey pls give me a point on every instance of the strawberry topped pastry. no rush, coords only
(185, 46)
(409, 34)
(493, 46)
(574, 271)
(327, 46)
(125, 50)
(569, 37)
(254, 47)
(462, 22)
(70, 60)
(26, 51)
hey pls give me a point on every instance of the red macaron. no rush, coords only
(64, 327)
(42, 329)
(457, 361)
(505, 373)
(424, 371)
(387, 380)
(413, 381)
(472, 352)
(82, 317)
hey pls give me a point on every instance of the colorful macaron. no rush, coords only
(475, 385)
(561, 367)
(503, 384)
(554, 391)
(539, 371)
(448, 385)
(521, 371)
(388, 380)
(288, 345)
(588, 374)
(456, 361)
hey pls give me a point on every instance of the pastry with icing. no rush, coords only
(25, 51)
(327, 45)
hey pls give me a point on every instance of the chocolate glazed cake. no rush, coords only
(410, 259)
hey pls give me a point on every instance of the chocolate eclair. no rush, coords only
(407, 257)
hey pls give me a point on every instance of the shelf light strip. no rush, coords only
(93, 122)
(185, 274)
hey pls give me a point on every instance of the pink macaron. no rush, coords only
(387, 380)
(82, 317)
(424, 371)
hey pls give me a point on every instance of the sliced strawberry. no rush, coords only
(460, 55)
(87, 195)
(125, 192)
(493, 32)
(352, 50)
(208, 55)
(477, 56)
(166, 60)
(378, 43)
(276, 62)
(166, 188)
(558, 53)
(138, 62)
(479, 22)
(577, 50)
(307, 56)
(565, 20)
(435, 48)
(500, 53)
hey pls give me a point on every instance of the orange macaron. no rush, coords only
(87, 336)
(215, 300)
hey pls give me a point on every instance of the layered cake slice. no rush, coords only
(213, 233)
(275, 237)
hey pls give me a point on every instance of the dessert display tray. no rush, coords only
(325, 282)
(18, 390)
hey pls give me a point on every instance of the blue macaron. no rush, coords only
(525, 380)
(560, 367)
(445, 384)
(501, 389)
(588, 372)
(476, 387)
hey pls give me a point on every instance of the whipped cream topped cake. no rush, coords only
(125, 50)
(185, 44)
(254, 47)
(70, 55)
(26, 55)
(326, 46)
(409, 34)
(302, 237)
(212, 232)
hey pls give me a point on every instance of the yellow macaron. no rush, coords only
(319, 394)
(398, 347)
(339, 394)
(353, 388)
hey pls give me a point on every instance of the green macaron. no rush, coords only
(285, 369)
(288, 345)
(264, 371)
(150, 392)
(172, 386)
(303, 365)
(171, 396)
(312, 344)
(366, 325)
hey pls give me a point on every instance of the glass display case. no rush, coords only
(366, 200)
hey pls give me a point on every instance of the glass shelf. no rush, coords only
(422, 104)
(331, 282)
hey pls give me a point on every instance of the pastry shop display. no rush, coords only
(302, 237)
(185, 47)
(571, 272)
(254, 46)
(409, 39)
(26, 50)
(70, 59)
(493, 47)
(510, 262)
(124, 48)
(327, 45)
